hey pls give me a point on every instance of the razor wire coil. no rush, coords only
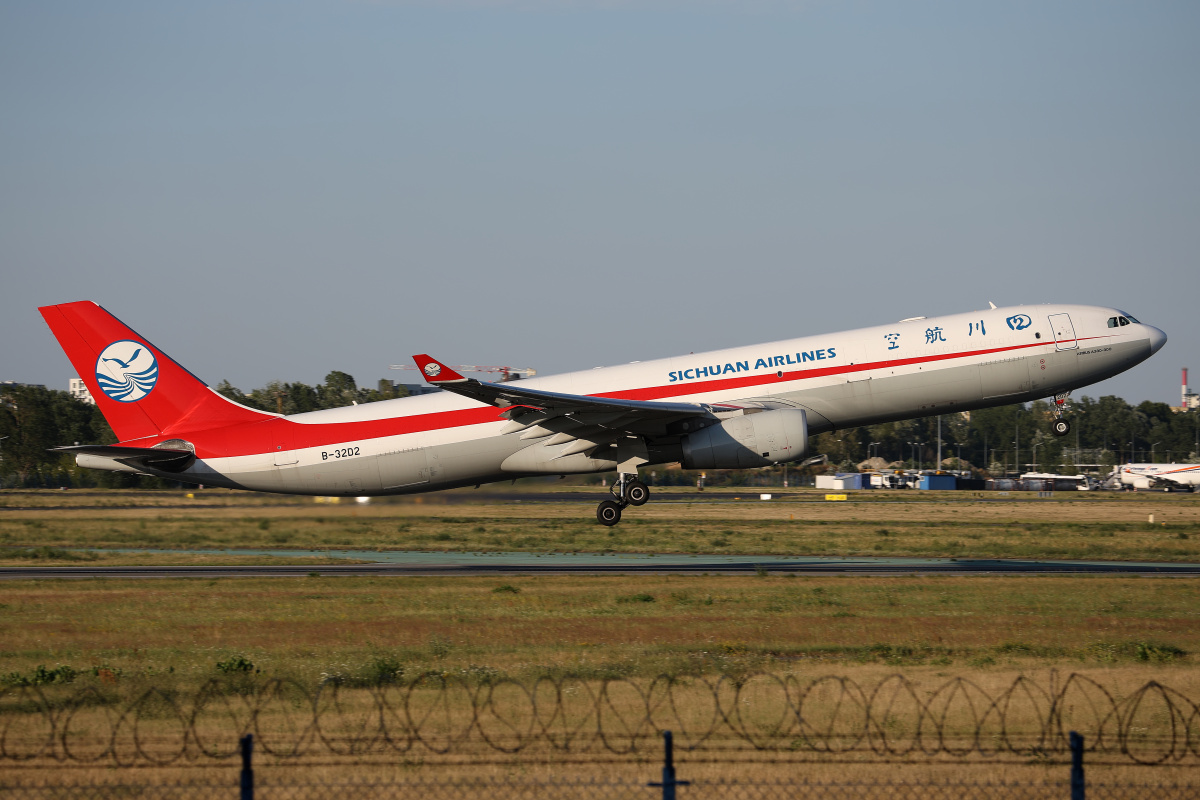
(782, 716)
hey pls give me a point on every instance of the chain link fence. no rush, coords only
(669, 787)
(568, 790)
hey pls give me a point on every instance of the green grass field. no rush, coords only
(593, 627)
(119, 637)
(597, 626)
(1098, 526)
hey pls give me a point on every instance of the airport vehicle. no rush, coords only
(1161, 476)
(1050, 482)
(743, 407)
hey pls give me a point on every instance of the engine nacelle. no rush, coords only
(751, 440)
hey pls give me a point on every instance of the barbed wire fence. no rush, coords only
(451, 719)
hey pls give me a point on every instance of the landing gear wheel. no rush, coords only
(608, 512)
(1060, 427)
(636, 493)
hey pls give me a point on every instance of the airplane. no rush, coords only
(738, 408)
(1161, 476)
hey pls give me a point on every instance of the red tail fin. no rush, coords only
(140, 390)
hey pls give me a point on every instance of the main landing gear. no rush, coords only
(1060, 427)
(627, 491)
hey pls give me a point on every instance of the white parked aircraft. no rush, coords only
(749, 406)
(1161, 476)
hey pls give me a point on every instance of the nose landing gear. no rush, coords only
(627, 491)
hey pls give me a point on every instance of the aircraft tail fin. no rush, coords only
(141, 391)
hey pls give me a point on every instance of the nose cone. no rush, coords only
(1157, 339)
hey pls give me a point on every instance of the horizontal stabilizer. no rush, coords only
(159, 458)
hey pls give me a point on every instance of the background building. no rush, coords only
(79, 391)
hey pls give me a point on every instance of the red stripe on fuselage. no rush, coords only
(264, 437)
(721, 384)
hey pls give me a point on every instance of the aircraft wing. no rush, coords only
(1164, 480)
(571, 416)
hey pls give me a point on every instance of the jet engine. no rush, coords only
(751, 440)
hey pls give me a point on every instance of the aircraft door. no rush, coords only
(1064, 332)
(404, 468)
(285, 458)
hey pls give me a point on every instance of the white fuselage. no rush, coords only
(915, 368)
(1160, 476)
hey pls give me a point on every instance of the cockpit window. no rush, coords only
(1127, 318)
(1112, 322)
(1131, 319)
(1122, 320)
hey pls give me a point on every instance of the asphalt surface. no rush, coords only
(552, 564)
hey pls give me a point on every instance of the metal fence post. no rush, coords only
(1078, 786)
(668, 780)
(247, 767)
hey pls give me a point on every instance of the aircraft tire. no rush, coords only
(608, 513)
(1060, 427)
(636, 493)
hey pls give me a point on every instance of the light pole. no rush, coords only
(1017, 443)
(938, 466)
(915, 451)
(1036, 445)
(1152, 446)
(1077, 446)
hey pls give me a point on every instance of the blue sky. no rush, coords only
(275, 190)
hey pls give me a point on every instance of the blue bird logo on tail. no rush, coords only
(126, 371)
(125, 364)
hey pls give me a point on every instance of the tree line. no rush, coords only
(991, 442)
(34, 419)
(1017, 438)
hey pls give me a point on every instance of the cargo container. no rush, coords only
(939, 482)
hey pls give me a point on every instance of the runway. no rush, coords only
(402, 563)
